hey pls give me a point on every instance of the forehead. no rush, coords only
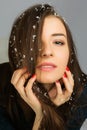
(53, 24)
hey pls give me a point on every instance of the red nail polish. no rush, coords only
(25, 68)
(65, 76)
(67, 68)
(33, 76)
(28, 73)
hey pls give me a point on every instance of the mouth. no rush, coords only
(46, 66)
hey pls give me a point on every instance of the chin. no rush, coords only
(46, 80)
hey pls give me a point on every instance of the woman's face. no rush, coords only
(54, 56)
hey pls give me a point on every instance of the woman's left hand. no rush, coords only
(63, 95)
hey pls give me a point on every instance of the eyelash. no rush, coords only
(58, 42)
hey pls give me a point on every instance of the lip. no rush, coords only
(46, 66)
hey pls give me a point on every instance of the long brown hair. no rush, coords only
(24, 46)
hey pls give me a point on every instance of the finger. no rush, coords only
(59, 89)
(67, 84)
(17, 74)
(69, 76)
(22, 80)
(20, 84)
(28, 88)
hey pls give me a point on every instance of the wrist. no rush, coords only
(39, 116)
(37, 121)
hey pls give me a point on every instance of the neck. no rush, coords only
(49, 86)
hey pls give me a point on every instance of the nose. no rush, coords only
(46, 51)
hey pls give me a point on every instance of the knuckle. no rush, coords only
(12, 82)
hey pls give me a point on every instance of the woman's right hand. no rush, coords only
(18, 80)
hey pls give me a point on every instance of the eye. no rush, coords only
(58, 42)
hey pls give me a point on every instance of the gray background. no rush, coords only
(74, 11)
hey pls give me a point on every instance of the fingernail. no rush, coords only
(65, 76)
(57, 81)
(25, 68)
(28, 73)
(33, 76)
(67, 68)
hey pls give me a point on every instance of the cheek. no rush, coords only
(63, 60)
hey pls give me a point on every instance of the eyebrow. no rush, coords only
(59, 34)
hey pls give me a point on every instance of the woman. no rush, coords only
(47, 83)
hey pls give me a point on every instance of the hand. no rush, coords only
(18, 80)
(63, 95)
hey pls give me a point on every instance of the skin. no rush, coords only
(54, 50)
